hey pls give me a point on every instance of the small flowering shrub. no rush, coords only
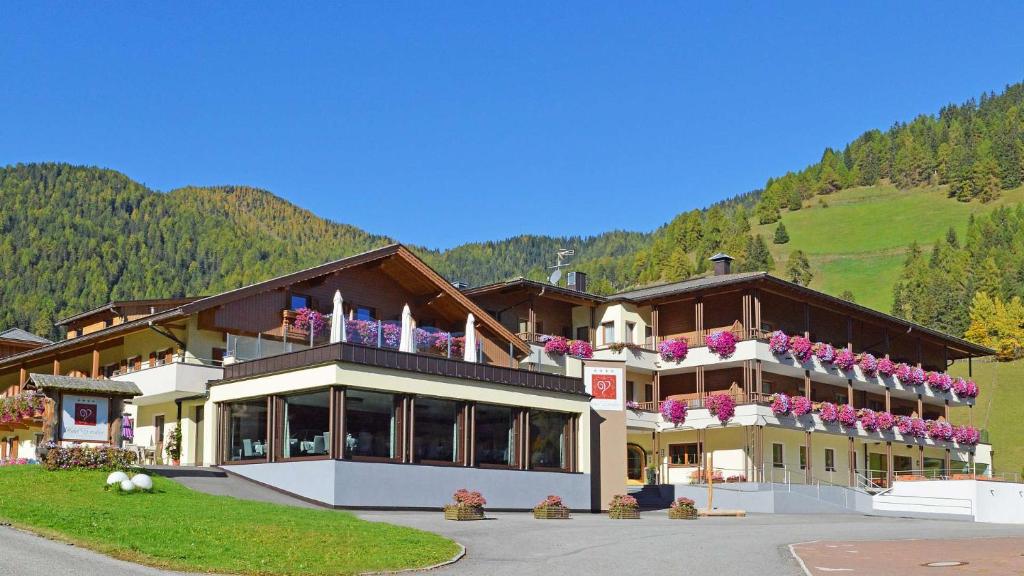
(938, 430)
(466, 499)
(868, 419)
(868, 364)
(682, 508)
(800, 405)
(722, 406)
(557, 346)
(825, 352)
(801, 348)
(965, 388)
(847, 416)
(722, 343)
(674, 411)
(310, 320)
(780, 404)
(909, 426)
(844, 360)
(16, 462)
(683, 502)
(581, 349)
(673, 350)
(84, 457)
(29, 404)
(884, 421)
(829, 412)
(966, 435)
(551, 501)
(886, 367)
(778, 342)
(623, 502)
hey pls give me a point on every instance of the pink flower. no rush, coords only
(801, 348)
(868, 364)
(886, 367)
(829, 412)
(939, 381)
(721, 405)
(800, 405)
(884, 421)
(825, 352)
(966, 435)
(780, 404)
(909, 375)
(844, 360)
(778, 342)
(722, 343)
(674, 349)
(557, 346)
(674, 411)
(581, 349)
(868, 419)
(939, 430)
(847, 415)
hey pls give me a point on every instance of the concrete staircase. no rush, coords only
(652, 496)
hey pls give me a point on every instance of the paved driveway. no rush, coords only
(594, 545)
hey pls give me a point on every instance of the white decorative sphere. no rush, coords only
(142, 482)
(116, 478)
(127, 485)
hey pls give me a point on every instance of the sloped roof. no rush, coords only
(115, 304)
(684, 286)
(24, 335)
(522, 282)
(70, 383)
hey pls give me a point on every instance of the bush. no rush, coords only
(83, 457)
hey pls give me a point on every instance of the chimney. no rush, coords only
(576, 281)
(723, 263)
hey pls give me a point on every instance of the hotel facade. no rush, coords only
(410, 388)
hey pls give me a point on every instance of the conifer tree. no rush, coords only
(781, 236)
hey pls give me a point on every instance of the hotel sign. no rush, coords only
(606, 386)
(84, 418)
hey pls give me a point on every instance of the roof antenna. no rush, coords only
(561, 255)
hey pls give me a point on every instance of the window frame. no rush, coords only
(459, 447)
(607, 327)
(830, 455)
(781, 462)
(306, 297)
(278, 440)
(514, 442)
(687, 463)
(401, 403)
(567, 448)
(803, 457)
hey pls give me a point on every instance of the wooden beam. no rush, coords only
(56, 366)
(807, 384)
(95, 363)
(808, 462)
(890, 474)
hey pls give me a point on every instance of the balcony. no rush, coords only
(170, 381)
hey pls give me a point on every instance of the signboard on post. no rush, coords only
(607, 386)
(84, 418)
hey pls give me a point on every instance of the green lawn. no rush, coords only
(999, 409)
(180, 529)
(860, 240)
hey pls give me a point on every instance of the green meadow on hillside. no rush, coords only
(858, 240)
(999, 410)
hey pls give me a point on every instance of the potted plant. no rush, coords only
(173, 445)
(551, 508)
(682, 509)
(624, 507)
(465, 505)
(652, 474)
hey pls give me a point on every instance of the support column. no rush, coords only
(807, 320)
(852, 461)
(22, 378)
(970, 414)
(95, 363)
(920, 455)
(890, 474)
(531, 324)
(701, 392)
(808, 459)
(657, 389)
(747, 314)
(807, 384)
(947, 463)
(758, 377)
(56, 366)
(920, 407)
(655, 326)
(698, 310)
(849, 391)
(757, 312)
(888, 399)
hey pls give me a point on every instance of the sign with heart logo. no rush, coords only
(84, 418)
(606, 386)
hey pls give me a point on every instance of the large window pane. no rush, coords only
(247, 431)
(547, 439)
(369, 424)
(436, 430)
(494, 435)
(307, 422)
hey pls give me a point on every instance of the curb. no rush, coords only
(458, 556)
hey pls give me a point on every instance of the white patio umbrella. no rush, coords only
(469, 346)
(407, 343)
(338, 320)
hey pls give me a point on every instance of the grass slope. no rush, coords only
(180, 529)
(999, 409)
(859, 241)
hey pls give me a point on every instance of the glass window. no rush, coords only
(777, 459)
(247, 431)
(803, 457)
(631, 332)
(296, 301)
(495, 430)
(583, 333)
(366, 313)
(307, 424)
(436, 429)
(830, 460)
(608, 333)
(547, 439)
(841, 399)
(370, 424)
(683, 454)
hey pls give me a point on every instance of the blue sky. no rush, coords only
(439, 123)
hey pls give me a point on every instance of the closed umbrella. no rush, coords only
(127, 428)
(469, 346)
(407, 343)
(338, 320)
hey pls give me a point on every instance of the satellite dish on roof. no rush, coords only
(561, 254)
(555, 276)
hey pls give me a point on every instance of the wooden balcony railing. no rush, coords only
(697, 400)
